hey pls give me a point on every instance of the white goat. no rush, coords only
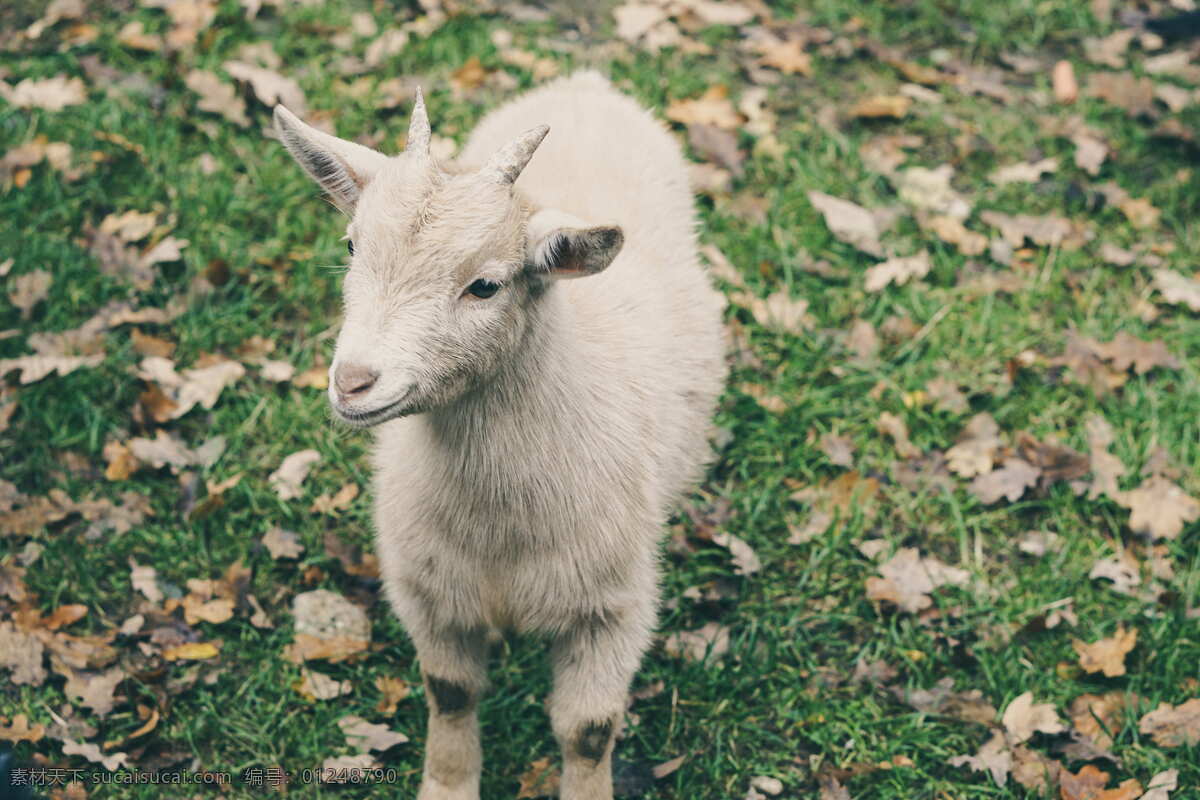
(538, 431)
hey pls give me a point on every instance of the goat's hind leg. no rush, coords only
(454, 669)
(593, 667)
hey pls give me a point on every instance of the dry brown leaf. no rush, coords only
(328, 626)
(91, 751)
(1139, 212)
(22, 653)
(712, 640)
(393, 690)
(785, 55)
(969, 706)
(192, 651)
(1010, 481)
(745, 560)
(1090, 153)
(342, 769)
(540, 780)
(717, 145)
(282, 544)
(1098, 718)
(165, 450)
(1178, 289)
(26, 291)
(269, 86)
(48, 94)
(711, 108)
(1106, 655)
(1023, 718)
(365, 736)
(908, 579)
(1106, 467)
(1159, 508)
(291, 473)
(898, 271)
(1127, 351)
(1123, 570)
(660, 771)
(145, 580)
(975, 450)
(994, 758)
(779, 312)
(341, 500)
(930, 190)
(1161, 785)
(217, 96)
(1066, 88)
(36, 367)
(863, 342)
(1023, 172)
(197, 608)
(947, 396)
(897, 429)
(196, 386)
(839, 449)
(1087, 785)
(952, 231)
(1173, 726)
(20, 731)
(1122, 89)
(849, 222)
(879, 106)
(1047, 231)
(94, 690)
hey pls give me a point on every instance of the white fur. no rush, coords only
(545, 433)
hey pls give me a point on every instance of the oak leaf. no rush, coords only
(1023, 718)
(1106, 655)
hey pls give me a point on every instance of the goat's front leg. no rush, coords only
(593, 667)
(454, 668)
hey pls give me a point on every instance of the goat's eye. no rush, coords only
(350, 246)
(483, 288)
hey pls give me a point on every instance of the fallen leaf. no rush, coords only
(540, 780)
(1161, 785)
(710, 639)
(1010, 481)
(393, 690)
(282, 544)
(196, 386)
(660, 771)
(1098, 718)
(711, 108)
(1047, 231)
(36, 367)
(91, 751)
(27, 290)
(882, 105)
(1126, 351)
(1139, 212)
(48, 94)
(1176, 289)
(849, 222)
(1159, 508)
(908, 579)
(717, 145)
(22, 653)
(343, 769)
(1106, 655)
(19, 730)
(1122, 89)
(745, 560)
(1066, 88)
(898, 271)
(952, 231)
(192, 651)
(145, 580)
(930, 190)
(863, 342)
(1087, 785)
(291, 473)
(897, 429)
(1024, 172)
(341, 500)
(217, 96)
(975, 450)
(994, 757)
(269, 86)
(779, 312)
(1173, 726)
(947, 396)
(1090, 153)
(839, 449)
(1023, 718)
(365, 736)
(165, 450)
(785, 55)
(969, 706)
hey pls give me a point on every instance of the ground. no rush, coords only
(830, 409)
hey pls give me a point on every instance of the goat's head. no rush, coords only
(446, 265)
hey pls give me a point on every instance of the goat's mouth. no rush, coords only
(372, 417)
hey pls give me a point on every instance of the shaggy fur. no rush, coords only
(533, 442)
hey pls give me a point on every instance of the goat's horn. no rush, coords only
(506, 165)
(418, 129)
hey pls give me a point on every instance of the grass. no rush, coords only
(780, 703)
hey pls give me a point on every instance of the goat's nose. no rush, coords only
(354, 379)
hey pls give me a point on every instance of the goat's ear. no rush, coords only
(559, 245)
(341, 168)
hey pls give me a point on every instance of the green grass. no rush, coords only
(780, 703)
